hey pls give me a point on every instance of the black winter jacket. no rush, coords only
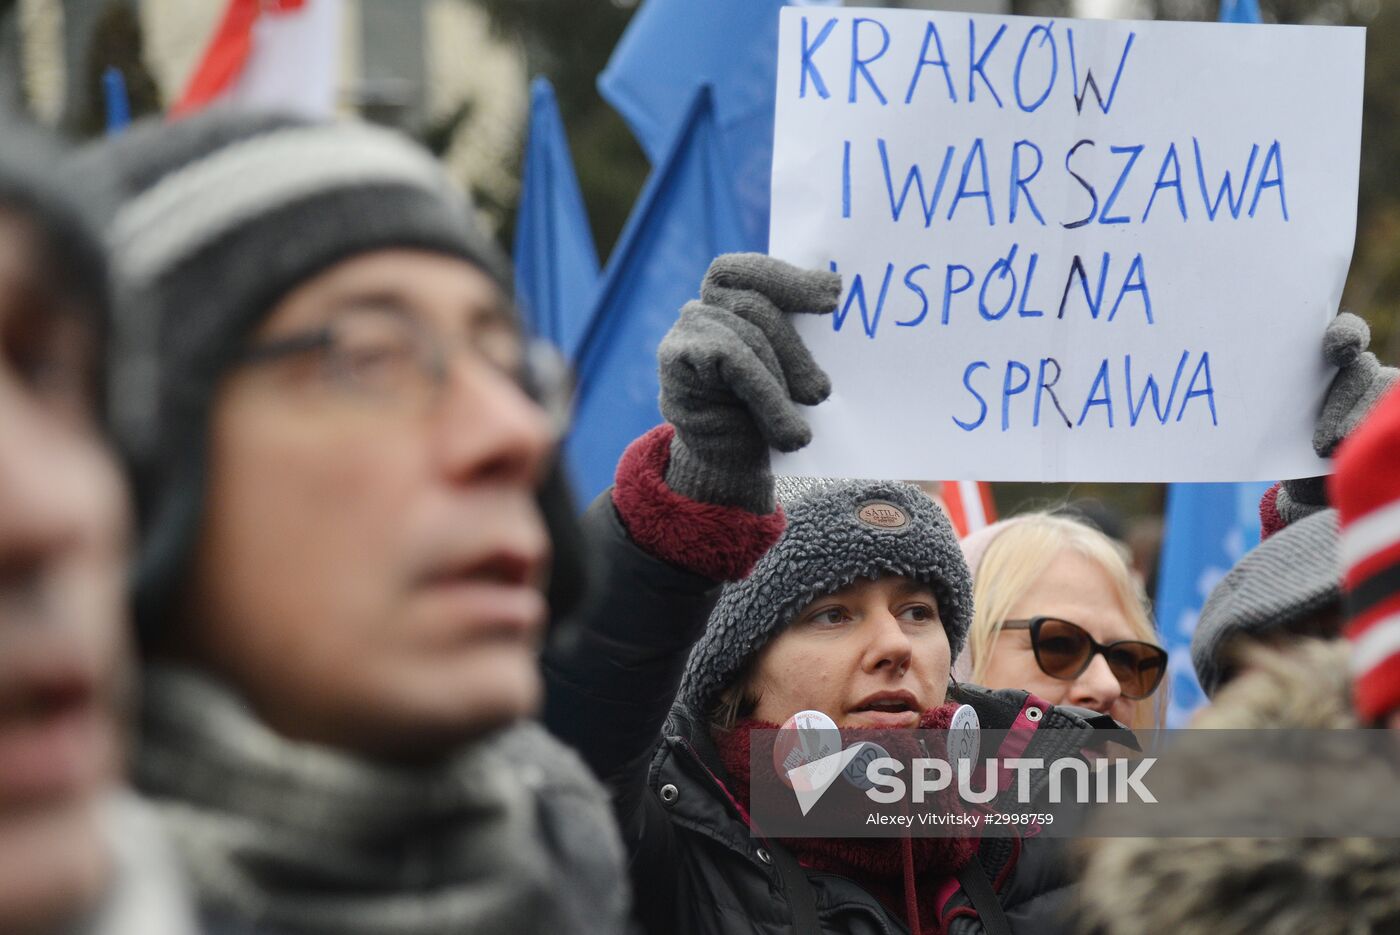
(695, 866)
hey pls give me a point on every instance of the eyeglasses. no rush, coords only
(1063, 650)
(379, 354)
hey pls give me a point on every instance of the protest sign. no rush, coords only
(1071, 250)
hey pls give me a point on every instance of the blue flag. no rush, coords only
(683, 219)
(1239, 11)
(670, 49)
(115, 100)
(556, 263)
(1209, 527)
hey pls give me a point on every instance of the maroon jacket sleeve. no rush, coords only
(719, 542)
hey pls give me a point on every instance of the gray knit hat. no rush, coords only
(1290, 576)
(222, 215)
(837, 532)
(63, 205)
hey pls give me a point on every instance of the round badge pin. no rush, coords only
(805, 737)
(856, 771)
(964, 735)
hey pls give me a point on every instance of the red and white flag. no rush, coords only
(280, 54)
(969, 505)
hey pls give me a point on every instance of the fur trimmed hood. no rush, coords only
(1222, 886)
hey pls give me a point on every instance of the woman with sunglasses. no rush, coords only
(1058, 613)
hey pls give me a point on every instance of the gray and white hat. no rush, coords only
(1291, 576)
(221, 215)
(61, 205)
(837, 532)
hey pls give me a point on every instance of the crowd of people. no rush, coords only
(300, 631)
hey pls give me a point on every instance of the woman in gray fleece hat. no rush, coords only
(733, 602)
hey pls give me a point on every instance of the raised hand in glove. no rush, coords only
(1358, 386)
(1360, 383)
(733, 370)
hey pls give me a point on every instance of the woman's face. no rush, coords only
(873, 654)
(1077, 589)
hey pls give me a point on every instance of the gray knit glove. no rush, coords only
(1360, 383)
(1358, 386)
(732, 371)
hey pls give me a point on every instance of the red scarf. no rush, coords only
(888, 868)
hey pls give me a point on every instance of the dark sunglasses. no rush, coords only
(1063, 650)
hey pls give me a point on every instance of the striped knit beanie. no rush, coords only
(1366, 491)
(221, 216)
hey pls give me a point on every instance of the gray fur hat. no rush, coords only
(837, 532)
(1287, 578)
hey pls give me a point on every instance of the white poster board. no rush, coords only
(1071, 250)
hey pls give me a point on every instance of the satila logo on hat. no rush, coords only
(882, 515)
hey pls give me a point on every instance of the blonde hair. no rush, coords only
(1015, 558)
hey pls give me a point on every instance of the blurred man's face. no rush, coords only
(370, 570)
(63, 527)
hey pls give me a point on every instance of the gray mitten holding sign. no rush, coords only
(733, 372)
(1360, 382)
